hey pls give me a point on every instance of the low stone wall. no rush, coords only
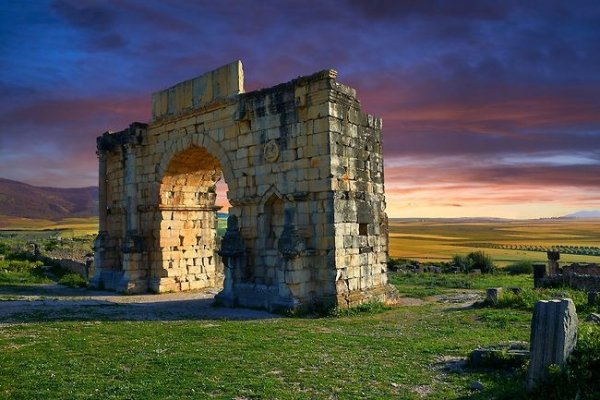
(85, 269)
(581, 269)
(575, 281)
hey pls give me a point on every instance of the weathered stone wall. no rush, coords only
(304, 171)
(575, 281)
(581, 269)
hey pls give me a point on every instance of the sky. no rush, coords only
(490, 108)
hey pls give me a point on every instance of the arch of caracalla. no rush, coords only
(304, 171)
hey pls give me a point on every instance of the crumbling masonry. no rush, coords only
(304, 170)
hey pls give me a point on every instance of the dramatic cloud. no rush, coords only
(489, 108)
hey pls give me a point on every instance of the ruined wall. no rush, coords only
(581, 269)
(304, 171)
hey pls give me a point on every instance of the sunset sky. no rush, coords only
(489, 108)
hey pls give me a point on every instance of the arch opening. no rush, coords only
(188, 238)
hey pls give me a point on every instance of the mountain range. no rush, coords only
(18, 199)
(584, 214)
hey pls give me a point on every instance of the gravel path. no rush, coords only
(56, 302)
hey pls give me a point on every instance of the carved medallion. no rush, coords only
(271, 151)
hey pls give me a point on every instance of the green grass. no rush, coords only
(72, 280)
(391, 354)
(527, 298)
(427, 284)
(21, 272)
(372, 352)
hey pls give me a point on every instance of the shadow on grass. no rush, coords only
(47, 303)
(499, 385)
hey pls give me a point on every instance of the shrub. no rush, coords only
(4, 248)
(19, 265)
(481, 261)
(51, 245)
(72, 280)
(393, 264)
(462, 263)
(474, 260)
(521, 267)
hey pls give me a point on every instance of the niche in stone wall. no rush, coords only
(272, 227)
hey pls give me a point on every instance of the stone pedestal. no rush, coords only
(553, 337)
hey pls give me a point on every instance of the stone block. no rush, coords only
(553, 338)
(492, 295)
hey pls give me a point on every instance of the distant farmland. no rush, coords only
(578, 240)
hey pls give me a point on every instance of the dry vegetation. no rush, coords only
(79, 226)
(504, 241)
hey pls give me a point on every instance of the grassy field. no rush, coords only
(77, 226)
(431, 240)
(399, 352)
(394, 353)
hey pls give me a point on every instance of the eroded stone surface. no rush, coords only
(304, 170)
(553, 337)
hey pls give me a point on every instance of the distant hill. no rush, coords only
(584, 214)
(18, 199)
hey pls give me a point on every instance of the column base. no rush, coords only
(386, 294)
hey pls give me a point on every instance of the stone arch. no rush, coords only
(301, 154)
(198, 140)
(187, 223)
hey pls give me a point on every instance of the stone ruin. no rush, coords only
(582, 276)
(304, 169)
(553, 338)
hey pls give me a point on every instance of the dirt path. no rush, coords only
(56, 302)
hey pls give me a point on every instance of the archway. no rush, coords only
(304, 169)
(189, 240)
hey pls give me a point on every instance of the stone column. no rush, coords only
(102, 240)
(102, 190)
(553, 258)
(134, 278)
(539, 273)
(130, 189)
(553, 338)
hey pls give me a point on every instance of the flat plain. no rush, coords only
(79, 226)
(506, 241)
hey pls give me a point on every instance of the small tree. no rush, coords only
(481, 261)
